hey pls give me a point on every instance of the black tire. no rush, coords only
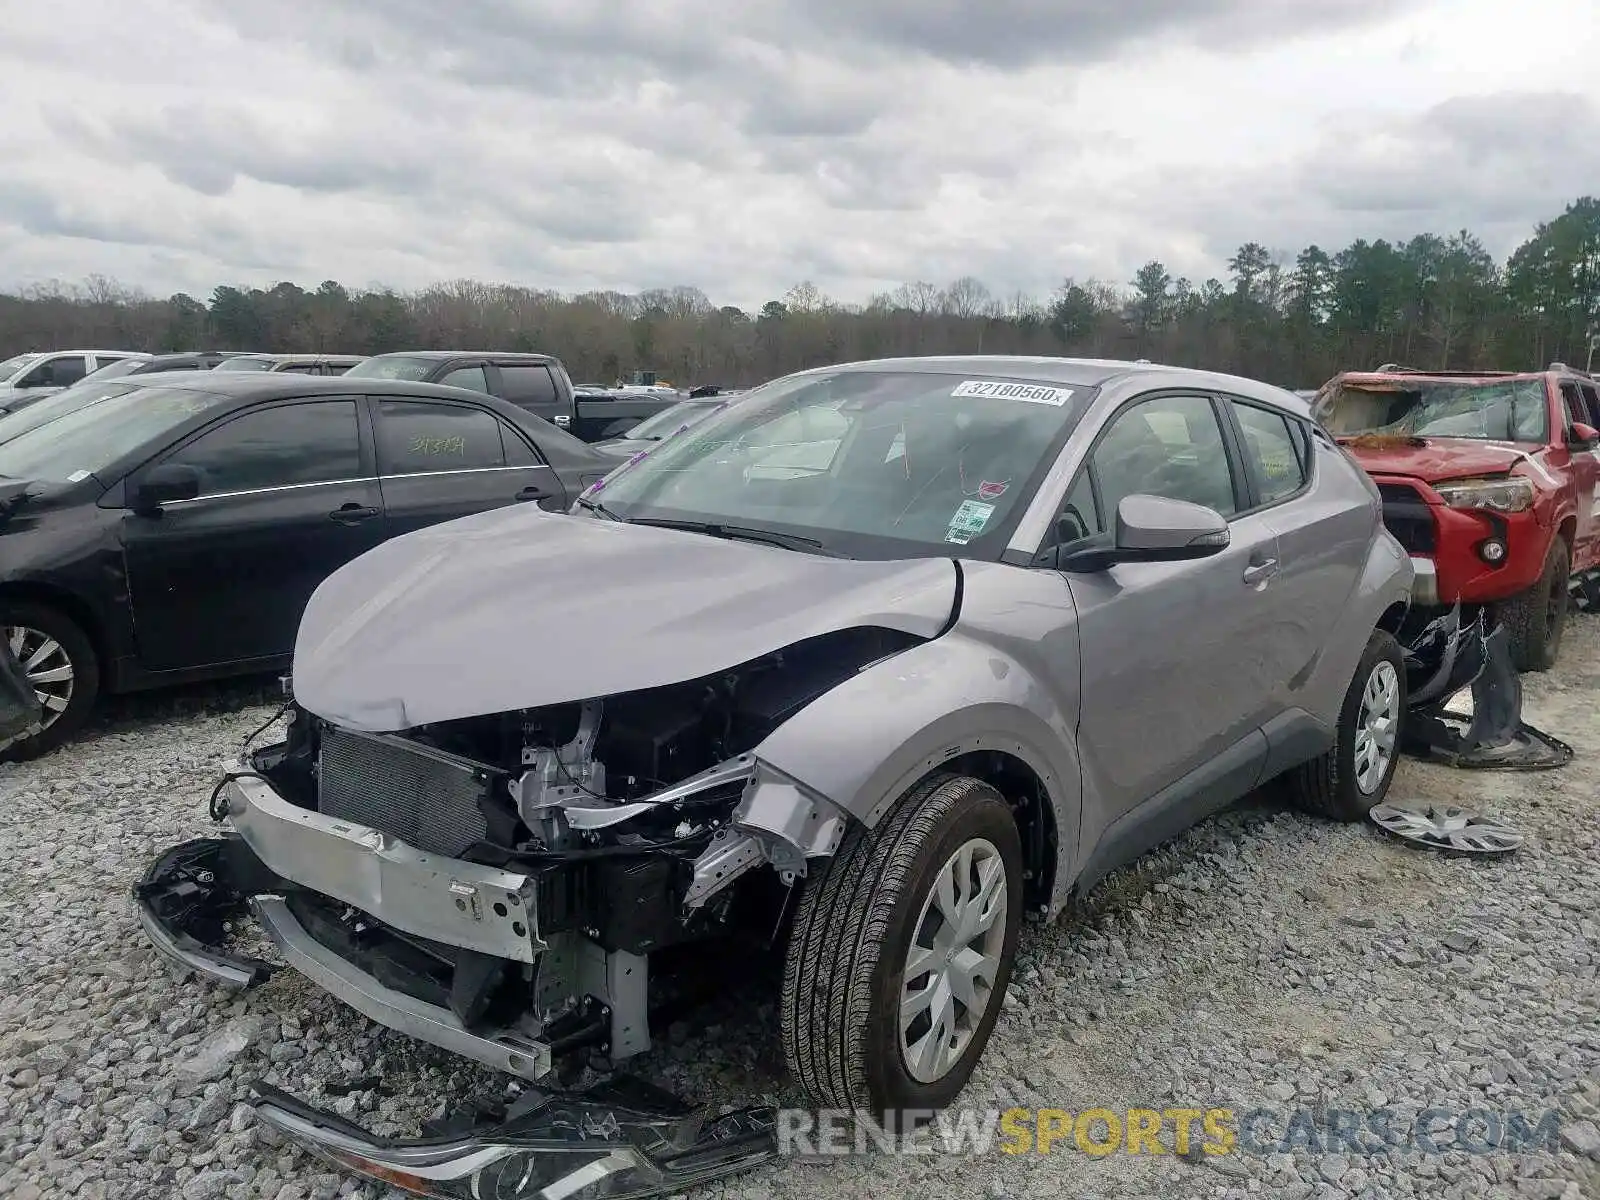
(1536, 619)
(844, 970)
(1330, 785)
(85, 665)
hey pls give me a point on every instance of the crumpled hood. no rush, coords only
(1441, 458)
(519, 608)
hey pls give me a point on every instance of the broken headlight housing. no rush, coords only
(1507, 494)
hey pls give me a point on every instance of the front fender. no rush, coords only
(867, 741)
(1385, 581)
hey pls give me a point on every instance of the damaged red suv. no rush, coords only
(1489, 481)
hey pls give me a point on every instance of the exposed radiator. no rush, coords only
(425, 797)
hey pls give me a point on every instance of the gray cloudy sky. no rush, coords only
(741, 147)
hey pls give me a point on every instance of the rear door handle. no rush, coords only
(1260, 572)
(532, 492)
(349, 514)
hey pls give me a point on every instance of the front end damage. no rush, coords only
(1445, 658)
(524, 890)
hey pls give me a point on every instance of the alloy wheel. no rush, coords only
(47, 668)
(953, 960)
(1377, 727)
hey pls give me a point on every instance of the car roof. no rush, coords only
(1079, 372)
(442, 355)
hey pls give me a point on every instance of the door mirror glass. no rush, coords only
(1154, 529)
(165, 484)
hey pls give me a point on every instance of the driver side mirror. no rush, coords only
(1583, 436)
(1154, 529)
(164, 485)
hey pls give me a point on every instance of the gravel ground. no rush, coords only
(1263, 959)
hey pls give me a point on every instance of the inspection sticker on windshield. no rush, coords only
(969, 521)
(79, 476)
(1028, 393)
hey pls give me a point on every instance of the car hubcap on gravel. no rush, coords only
(47, 667)
(1377, 727)
(954, 958)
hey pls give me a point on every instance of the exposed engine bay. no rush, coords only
(635, 819)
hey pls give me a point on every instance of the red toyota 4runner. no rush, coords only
(1489, 481)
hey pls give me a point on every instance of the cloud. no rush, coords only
(1493, 164)
(741, 148)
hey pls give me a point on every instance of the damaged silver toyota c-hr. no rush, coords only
(870, 663)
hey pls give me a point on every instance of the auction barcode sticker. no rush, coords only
(1028, 393)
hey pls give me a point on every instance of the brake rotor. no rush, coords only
(1446, 827)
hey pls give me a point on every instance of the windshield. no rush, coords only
(242, 363)
(68, 400)
(397, 366)
(1502, 410)
(12, 367)
(116, 370)
(96, 433)
(653, 429)
(871, 464)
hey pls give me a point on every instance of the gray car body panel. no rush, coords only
(501, 611)
(1141, 696)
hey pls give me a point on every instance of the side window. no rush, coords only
(299, 368)
(54, 372)
(530, 386)
(1573, 402)
(1169, 446)
(1591, 397)
(417, 436)
(518, 452)
(1273, 445)
(1080, 518)
(103, 360)
(276, 447)
(471, 378)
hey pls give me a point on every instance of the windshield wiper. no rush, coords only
(596, 506)
(742, 533)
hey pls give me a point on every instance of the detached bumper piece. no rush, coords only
(185, 902)
(1442, 661)
(622, 1139)
(21, 714)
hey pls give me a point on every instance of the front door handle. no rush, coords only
(349, 514)
(1260, 572)
(533, 492)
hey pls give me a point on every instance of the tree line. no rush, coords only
(1434, 302)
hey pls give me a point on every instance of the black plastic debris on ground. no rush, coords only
(1447, 658)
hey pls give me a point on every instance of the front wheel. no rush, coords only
(1347, 781)
(901, 951)
(1536, 619)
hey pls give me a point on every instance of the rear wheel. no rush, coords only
(59, 661)
(1347, 781)
(900, 953)
(1536, 619)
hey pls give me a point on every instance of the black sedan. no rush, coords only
(173, 528)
